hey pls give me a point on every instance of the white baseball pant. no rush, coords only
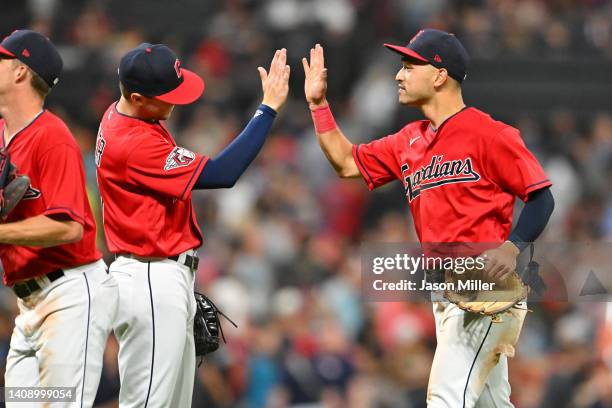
(60, 334)
(154, 328)
(470, 366)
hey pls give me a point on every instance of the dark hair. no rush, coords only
(40, 85)
(124, 91)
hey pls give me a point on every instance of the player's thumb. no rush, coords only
(262, 74)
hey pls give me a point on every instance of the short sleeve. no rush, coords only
(512, 166)
(162, 167)
(376, 161)
(62, 182)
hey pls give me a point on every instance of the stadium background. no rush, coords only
(281, 255)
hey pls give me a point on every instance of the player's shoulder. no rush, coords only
(53, 124)
(50, 131)
(484, 124)
(127, 137)
(412, 129)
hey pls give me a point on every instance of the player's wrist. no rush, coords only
(271, 104)
(319, 105)
(323, 119)
(264, 107)
(512, 247)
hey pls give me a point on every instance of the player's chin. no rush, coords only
(407, 101)
(166, 115)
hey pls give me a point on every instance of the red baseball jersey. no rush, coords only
(461, 180)
(46, 151)
(145, 181)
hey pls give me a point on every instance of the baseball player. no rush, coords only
(146, 181)
(67, 300)
(461, 171)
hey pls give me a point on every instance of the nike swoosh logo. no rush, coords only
(414, 140)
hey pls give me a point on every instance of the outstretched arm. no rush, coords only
(337, 148)
(224, 170)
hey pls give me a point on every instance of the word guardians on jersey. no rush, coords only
(437, 173)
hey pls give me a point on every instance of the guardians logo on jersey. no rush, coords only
(179, 157)
(437, 173)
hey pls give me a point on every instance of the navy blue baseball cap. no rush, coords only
(36, 51)
(438, 48)
(154, 70)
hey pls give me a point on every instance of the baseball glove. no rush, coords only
(12, 186)
(474, 292)
(206, 325)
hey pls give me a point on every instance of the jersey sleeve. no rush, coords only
(62, 182)
(157, 165)
(376, 161)
(513, 166)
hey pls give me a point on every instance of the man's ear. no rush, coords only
(137, 99)
(441, 77)
(21, 72)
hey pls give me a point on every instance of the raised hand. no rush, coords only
(315, 82)
(275, 83)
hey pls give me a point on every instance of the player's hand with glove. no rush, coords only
(275, 82)
(315, 83)
(12, 186)
(501, 261)
(206, 325)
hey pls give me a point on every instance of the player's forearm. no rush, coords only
(533, 218)
(224, 170)
(40, 231)
(339, 152)
(337, 148)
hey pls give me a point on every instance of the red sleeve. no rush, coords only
(161, 167)
(62, 182)
(512, 166)
(376, 161)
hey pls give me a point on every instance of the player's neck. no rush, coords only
(18, 111)
(125, 108)
(439, 109)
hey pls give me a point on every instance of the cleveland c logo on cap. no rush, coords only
(177, 68)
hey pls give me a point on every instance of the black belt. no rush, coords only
(26, 288)
(190, 261)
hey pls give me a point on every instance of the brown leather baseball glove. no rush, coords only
(474, 292)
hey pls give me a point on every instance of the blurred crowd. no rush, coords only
(282, 248)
